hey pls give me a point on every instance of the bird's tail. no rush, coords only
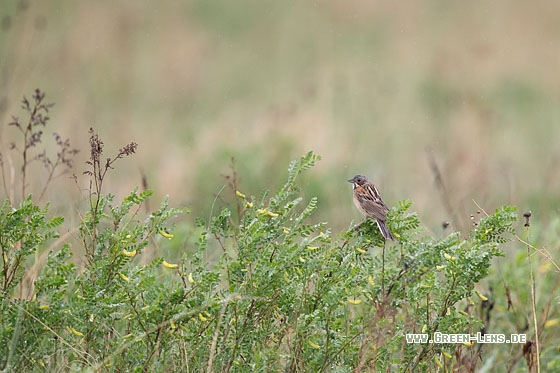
(385, 230)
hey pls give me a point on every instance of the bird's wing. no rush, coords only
(370, 200)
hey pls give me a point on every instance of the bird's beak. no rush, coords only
(351, 180)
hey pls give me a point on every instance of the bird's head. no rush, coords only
(358, 180)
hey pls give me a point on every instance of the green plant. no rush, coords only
(282, 294)
(24, 230)
(296, 298)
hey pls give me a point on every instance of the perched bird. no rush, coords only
(368, 201)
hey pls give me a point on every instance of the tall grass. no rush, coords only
(259, 285)
(368, 86)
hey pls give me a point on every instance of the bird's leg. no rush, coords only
(383, 271)
(359, 224)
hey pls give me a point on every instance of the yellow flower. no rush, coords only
(165, 234)
(268, 213)
(126, 279)
(313, 345)
(481, 296)
(74, 331)
(129, 253)
(170, 266)
(240, 195)
(449, 257)
(551, 322)
(191, 278)
(202, 318)
(354, 301)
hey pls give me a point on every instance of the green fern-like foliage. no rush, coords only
(278, 293)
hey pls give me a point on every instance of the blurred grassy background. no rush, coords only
(369, 85)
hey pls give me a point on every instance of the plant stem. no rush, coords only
(533, 302)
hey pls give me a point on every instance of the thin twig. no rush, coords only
(543, 252)
(441, 187)
(215, 338)
(533, 301)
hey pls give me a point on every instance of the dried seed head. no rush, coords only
(527, 216)
(96, 145)
(128, 149)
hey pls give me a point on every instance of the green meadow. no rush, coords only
(223, 239)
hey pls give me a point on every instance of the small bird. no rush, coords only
(368, 201)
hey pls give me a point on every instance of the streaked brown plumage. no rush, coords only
(368, 200)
